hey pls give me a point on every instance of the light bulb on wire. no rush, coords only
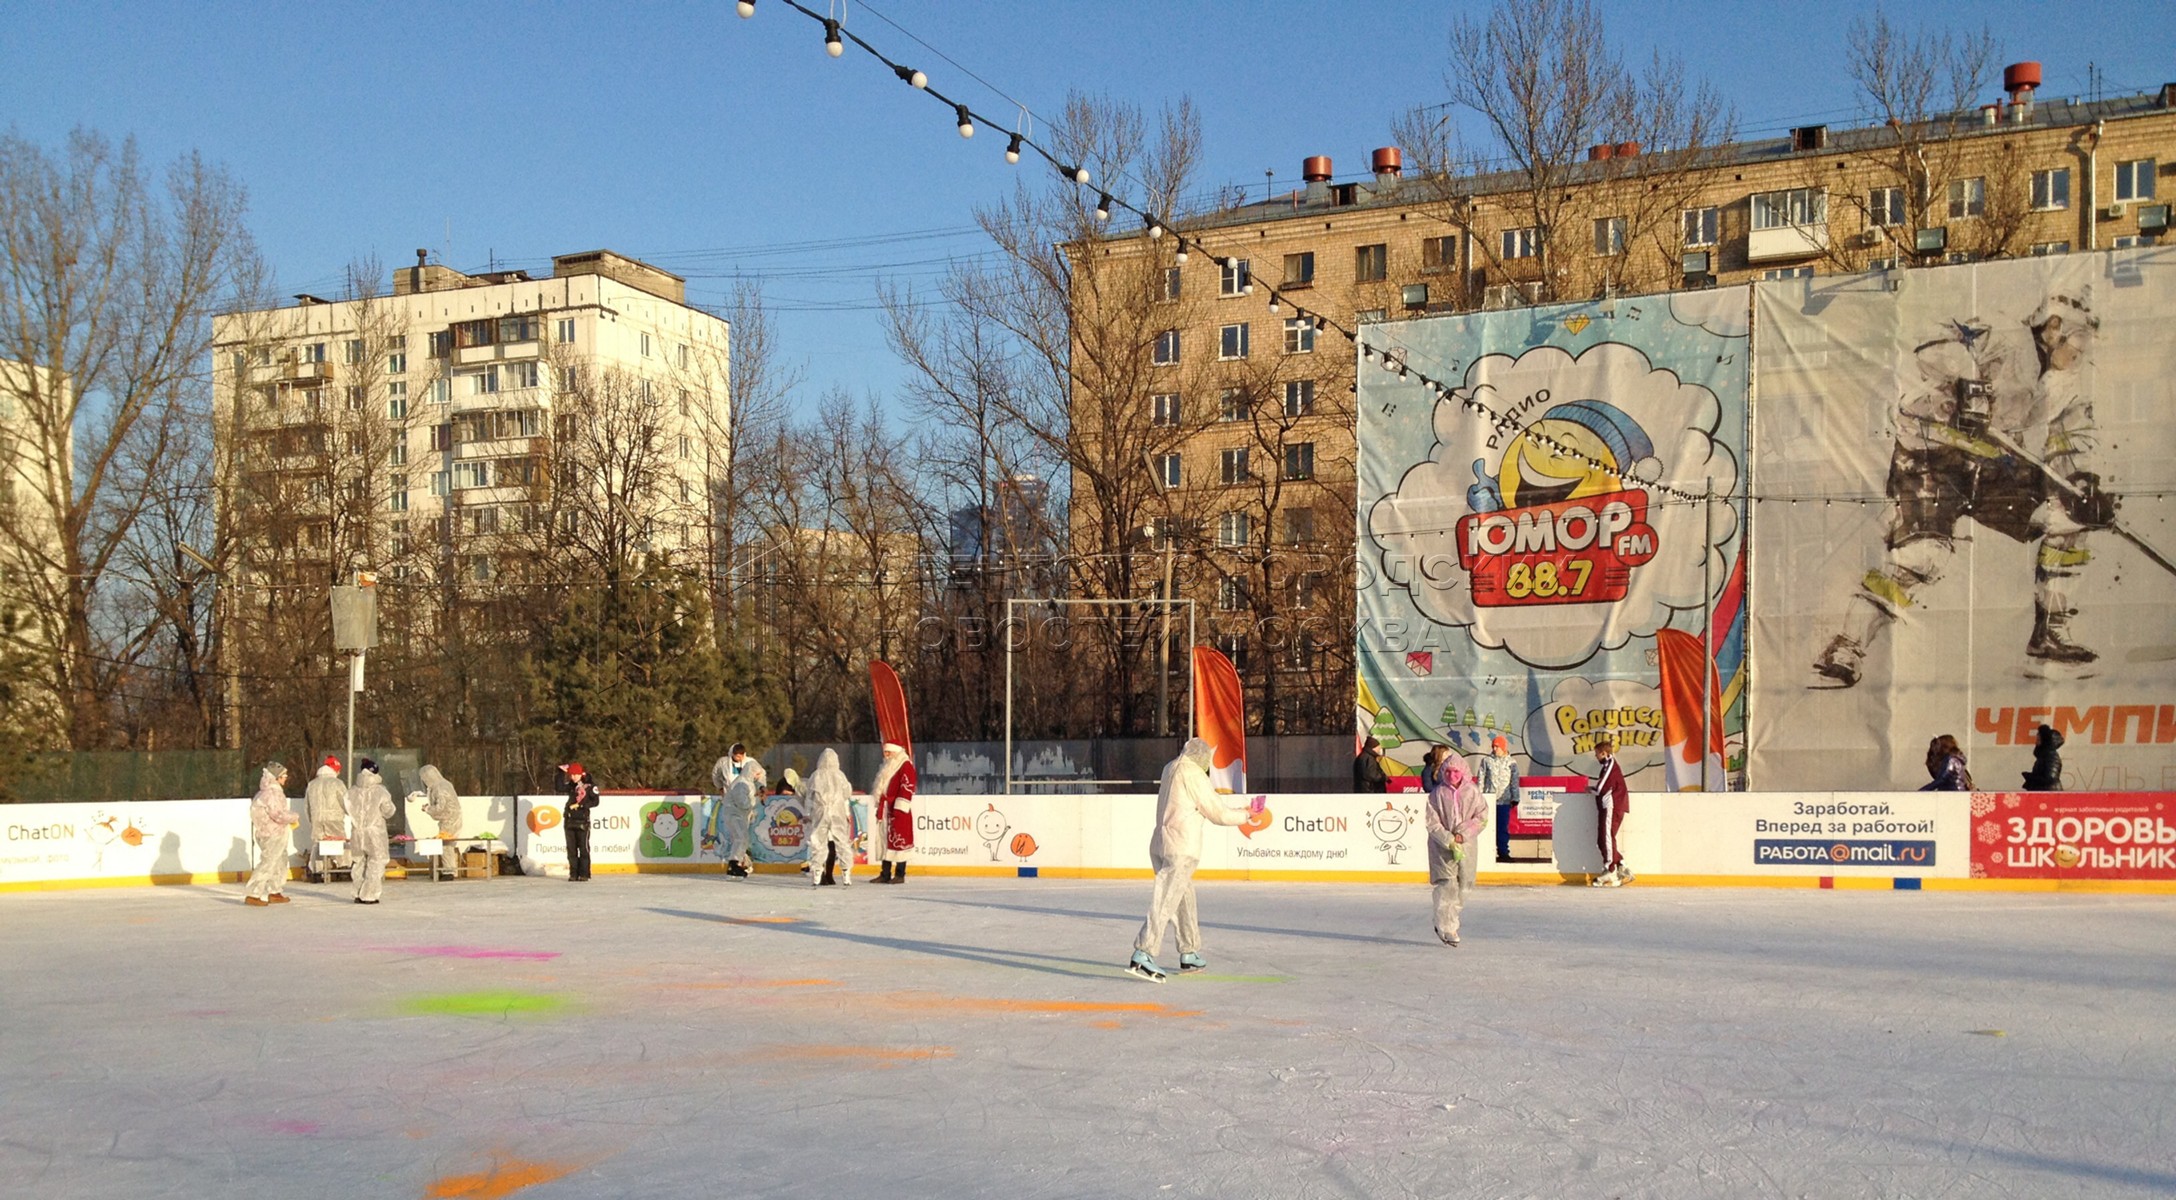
(1103, 207)
(967, 123)
(1012, 149)
(747, 8)
(911, 77)
(1155, 230)
(833, 46)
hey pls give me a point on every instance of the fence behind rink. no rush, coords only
(2112, 841)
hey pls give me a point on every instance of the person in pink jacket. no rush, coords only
(1456, 815)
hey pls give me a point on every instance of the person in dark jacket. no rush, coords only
(1946, 766)
(1367, 770)
(2047, 765)
(581, 799)
(1612, 800)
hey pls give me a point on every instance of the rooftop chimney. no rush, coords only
(2019, 79)
(1388, 161)
(1316, 169)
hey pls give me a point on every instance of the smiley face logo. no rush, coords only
(543, 817)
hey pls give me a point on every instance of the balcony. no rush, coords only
(469, 356)
(1786, 242)
(307, 372)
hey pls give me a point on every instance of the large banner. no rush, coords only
(168, 841)
(1550, 535)
(1955, 468)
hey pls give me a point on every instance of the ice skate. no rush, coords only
(1606, 878)
(1624, 876)
(1840, 663)
(1192, 962)
(2051, 654)
(1144, 967)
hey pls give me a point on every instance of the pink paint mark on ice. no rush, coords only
(471, 952)
(295, 1127)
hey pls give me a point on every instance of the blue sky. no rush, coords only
(502, 132)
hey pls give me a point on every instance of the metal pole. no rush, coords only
(1707, 639)
(1191, 640)
(1163, 682)
(1006, 634)
(354, 660)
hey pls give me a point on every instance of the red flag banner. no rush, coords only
(891, 705)
(1685, 678)
(1220, 718)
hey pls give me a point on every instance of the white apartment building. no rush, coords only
(448, 430)
(35, 437)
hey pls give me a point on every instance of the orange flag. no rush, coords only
(1220, 718)
(891, 706)
(1684, 678)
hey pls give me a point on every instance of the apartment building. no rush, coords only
(459, 427)
(34, 439)
(1257, 402)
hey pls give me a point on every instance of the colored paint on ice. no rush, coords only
(485, 952)
(482, 1004)
(503, 1179)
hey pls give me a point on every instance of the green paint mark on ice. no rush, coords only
(482, 1004)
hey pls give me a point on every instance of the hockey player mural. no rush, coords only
(1978, 393)
(1967, 491)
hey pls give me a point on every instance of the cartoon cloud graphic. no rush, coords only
(1559, 416)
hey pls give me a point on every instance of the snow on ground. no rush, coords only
(667, 1036)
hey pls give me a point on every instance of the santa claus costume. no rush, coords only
(894, 832)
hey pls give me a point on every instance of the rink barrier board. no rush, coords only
(1677, 840)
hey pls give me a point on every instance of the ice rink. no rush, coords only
(666, 1036)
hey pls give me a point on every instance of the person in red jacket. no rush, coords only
(894, 792)
(1612, 800)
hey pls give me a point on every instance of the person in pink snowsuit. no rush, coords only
(1456, 815)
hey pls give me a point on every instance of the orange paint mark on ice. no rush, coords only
(503, 1179)
(1108, 1024)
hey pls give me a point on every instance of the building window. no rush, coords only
(1791, 207)
(1968, 197)
(1300, 651)
(1167, 348)
(441, 482)
(2134, 180)
(645, 345)
(1439, 253)
(1413, 295)
(1299, 398)
(1232, 466)
(1299, 460)
(442, 436)
(1299, 526)
(1522, 243)
(1368, 316)
(484, 382)
(2043, 249)
(1231, 341)
(2051, 189)
(566, 331)
(687, 446)
(1299, 335)
(474, 333)
(396, 401)
(314, 352)
(1885, 206)
(1299, 269)
(1371, 264)
(398, 455)
(396, 358)
(441, 391)
(397, 499)
(1232, 529)
(479, 568)
(1231, 595)
(1231, 404)
(2134, 241)
(1236, 277)
(524, 373)
(352, 352)
(472, 474)
(442, 343)
(517, 329)
(1164, 408)
(683, 356)
(1787, 273)
(1609, 236)
(355, 398)
(1172, 280)
(1168, 471)
(1234, 645)
(570, 378)
(1703, 226)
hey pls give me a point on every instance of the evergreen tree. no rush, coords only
(632, 682)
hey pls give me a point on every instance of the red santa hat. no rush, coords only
(894, 748)
(332, 761)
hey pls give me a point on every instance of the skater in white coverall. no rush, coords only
(1457, 813)
(1184, 799)
(442, 804)
(370, 806)
(326, 800)
(830, 800)
(740, 779)
(271, 823)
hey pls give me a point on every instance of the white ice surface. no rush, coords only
(946, 1039)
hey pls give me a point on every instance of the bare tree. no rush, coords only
(108, 281)
(1525, 198)
(759, 382)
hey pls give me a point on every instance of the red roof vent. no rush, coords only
(1628, 149)
(2020, 77)
(1599, 152)
(1316, 168)
(1388, 161)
